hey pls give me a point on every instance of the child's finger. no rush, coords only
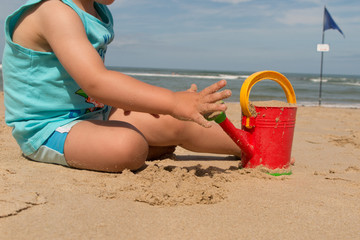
(202, 121)
(193, 88)
(217, 96)
(213, 107)
(214, 87)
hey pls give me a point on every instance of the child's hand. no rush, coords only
(192, 105)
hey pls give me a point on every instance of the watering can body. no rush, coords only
(266, 133)
(271, 134)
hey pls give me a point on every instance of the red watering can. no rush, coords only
(266, 137)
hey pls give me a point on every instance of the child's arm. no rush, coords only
(62, 28)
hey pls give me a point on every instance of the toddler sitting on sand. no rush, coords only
(66, 108)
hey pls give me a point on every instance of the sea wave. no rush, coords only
(318, 80)
(179, 75)
(337, 81)
(352, 84)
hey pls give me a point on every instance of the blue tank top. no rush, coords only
(39, 95)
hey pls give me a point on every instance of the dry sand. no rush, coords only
(195, 196)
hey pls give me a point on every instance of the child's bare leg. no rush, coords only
(167, 131)
(125, 142)
(110, 146)
(157, 152)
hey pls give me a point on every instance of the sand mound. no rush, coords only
(170, 185)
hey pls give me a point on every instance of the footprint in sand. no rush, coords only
(344, 140)
(14, 201)
(352, 169)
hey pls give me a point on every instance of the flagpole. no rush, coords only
(322, 60)
(328, 23)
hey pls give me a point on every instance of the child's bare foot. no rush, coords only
(292, 161)
(156, 153)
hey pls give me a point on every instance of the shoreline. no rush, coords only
(325, 105)
(309, 104)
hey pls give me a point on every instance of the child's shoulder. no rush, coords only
(52, 8)
(48, 10)
(39, 20)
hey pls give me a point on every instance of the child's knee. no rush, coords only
(133, 154)
(135, 160)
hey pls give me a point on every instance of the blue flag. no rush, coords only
(329, 22)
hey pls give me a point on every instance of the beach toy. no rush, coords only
(266, 133)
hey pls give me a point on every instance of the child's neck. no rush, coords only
(87, 6)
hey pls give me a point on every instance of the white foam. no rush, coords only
(177, 75)
(352, 84)
(318, 80)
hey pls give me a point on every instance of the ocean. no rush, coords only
(337, 90)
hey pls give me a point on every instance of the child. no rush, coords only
(66, 108)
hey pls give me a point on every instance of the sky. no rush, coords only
(230, 35)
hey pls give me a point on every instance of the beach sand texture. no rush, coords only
(193, 196)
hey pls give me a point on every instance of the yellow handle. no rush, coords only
(257, 77)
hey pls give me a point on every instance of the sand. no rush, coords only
(193, 196)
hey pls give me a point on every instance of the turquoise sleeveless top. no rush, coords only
(39, 95)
